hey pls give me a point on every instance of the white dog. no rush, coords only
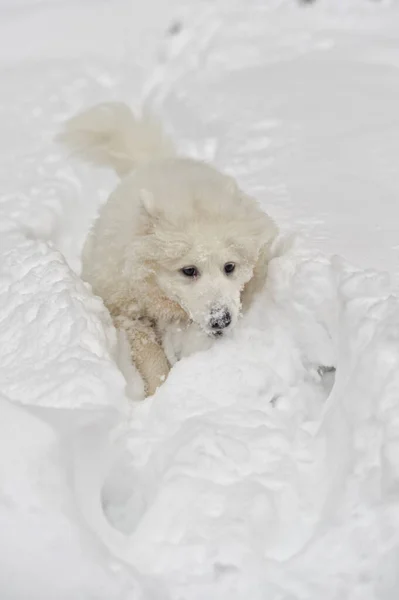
(178, 247)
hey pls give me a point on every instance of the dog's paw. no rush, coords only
(152, 385)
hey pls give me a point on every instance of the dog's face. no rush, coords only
(206, 280)
(202, 240)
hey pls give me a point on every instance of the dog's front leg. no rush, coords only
(147, 354)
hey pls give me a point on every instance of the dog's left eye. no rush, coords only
(190, 271)
(229, 268)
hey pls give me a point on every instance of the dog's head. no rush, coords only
(204, 242)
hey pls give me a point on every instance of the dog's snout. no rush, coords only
(220, 319)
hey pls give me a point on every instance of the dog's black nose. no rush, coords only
(220, 320)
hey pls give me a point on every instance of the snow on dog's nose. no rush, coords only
(220, 319)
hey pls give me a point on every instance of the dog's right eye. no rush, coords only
(190, 271)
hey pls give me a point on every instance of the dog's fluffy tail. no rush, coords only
(109, 135)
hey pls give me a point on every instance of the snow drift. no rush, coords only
(256, 471)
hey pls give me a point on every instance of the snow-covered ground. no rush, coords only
(254, 472)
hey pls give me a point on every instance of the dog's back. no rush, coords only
(109, 135)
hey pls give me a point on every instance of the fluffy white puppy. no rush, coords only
(177, 249)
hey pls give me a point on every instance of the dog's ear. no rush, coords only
(265, 254)
(147, 203)
(231, 185)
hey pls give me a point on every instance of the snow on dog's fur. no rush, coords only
(178, 247)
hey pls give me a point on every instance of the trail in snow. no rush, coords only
(253, 472)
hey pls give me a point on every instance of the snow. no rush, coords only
(255, 471)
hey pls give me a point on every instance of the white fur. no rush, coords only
(167, 213)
